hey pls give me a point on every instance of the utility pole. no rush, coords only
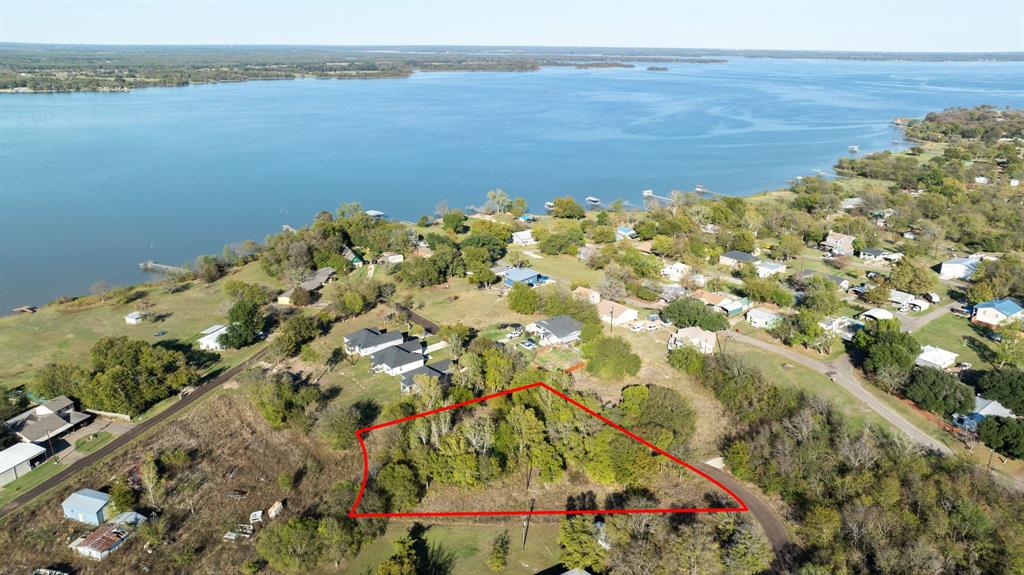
(526, 522)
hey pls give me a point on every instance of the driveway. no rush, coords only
(845, 376)
(913, 323)
(67, 454)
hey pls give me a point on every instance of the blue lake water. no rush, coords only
(92, 184)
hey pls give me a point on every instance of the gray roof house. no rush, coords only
(19, 459)
(87, 506)
(413, 345)
(368, 341)
(319, 279)
(47, 420)
(840, 282)
(733, 258)
(559, 329)
(394, 361)
(440, 369)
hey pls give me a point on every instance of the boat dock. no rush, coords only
(152, 266)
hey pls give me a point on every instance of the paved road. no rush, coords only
(772, 525)
(914, 323)
(846, 377)
(131, 434)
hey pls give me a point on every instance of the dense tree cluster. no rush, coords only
(686, 312)
(127, 376)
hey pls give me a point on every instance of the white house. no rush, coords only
(935, 357)
(523, 238)
(844, 327)
(997, 312)
(19, 459)
(391, 258)
(210, 338)
(904, 300)
(980, 180)
(395, 361)
(768, 269)
(958, 268)
(763, 318)
(702, 340)
(625, 233)
(871, 254)
(837, 243)
(877, 314)
(135, 318)
(560, 329)
(369, 341)
(615, 313)
(675, 271)
(587, 294)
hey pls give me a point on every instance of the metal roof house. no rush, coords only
(105, 539)
(763, 318)
(958, 268)
(47, 420)
(210, 338)
(935, 357)
(997, 312)
(134, 318)
(19, 459)
(560, 329)
(369, 341)
(767, 269)
(982, 408)
(625, 233)
(523, 238)
(525, 276)
(700, 339)
(87, 506)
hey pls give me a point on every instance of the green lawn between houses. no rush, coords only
(29, 480)
(958, 335)
(94, 442)
(65, 333)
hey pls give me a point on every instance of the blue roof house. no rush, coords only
(87, 506)
(526, 276)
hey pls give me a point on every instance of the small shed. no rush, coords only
(19, 459)
(135, 318)
(935, 357)
(210, 340)
(87, 506)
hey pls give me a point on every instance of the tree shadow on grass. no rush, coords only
(431, 558)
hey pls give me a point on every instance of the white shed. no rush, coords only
(210, 340)
(135, 318)
(935, 357)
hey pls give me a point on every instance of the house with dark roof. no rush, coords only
(368, 341)
(736, 258)
(440, 369)
(560, 329)
(395, 361)
(315, 283)
(840, 282)
(997, 312)
(48, 420)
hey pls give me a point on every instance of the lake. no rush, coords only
(91, 184)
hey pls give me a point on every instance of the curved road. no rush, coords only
(128, 436)
(846, 377)
(772, 525)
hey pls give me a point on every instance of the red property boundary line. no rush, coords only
(366, 469)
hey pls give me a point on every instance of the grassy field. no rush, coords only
(94, 442)
(958, 335)
(29, 480)
(65, 333)
(565, 269)
(468, 544)
(462, 302)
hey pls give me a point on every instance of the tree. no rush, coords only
(523, 299)
(910, 276)
(1009, 346)
(123, 496)
(610, 358)
(56, 379)
(292, 546)
(887, 350)
(566, 207)
(246, 324)
(296, 331)
(1004, 435)
(686, 359)
(519, 207)
(577, 537)
(497, 559)
(789, 247)
(686, 312)
(151, 480)
(457, 337)
(497, 201)
(338, 426)
(99, 288)
(399, 481)
(453, 221)
(1004, 385)
(301, 297)
(403, 562)
(208, 268)
(939, 392)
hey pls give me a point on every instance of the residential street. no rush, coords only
(913, 323)
(845, 376)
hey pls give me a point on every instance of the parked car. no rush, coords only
(932, 297)
(994, 336)
(636, 327)
(528, 345)
(652, 326)
(962, 312)
(514, 334)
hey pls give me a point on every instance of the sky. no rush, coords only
(853, 25)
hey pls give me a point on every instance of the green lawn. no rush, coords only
(808, 380)
(958, 335)
(65, 333)
(93, 442)
(29, 480)
(565, 269)
(468, 546)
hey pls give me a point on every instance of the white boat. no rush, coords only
(549, 205)
(593, 201)
(853, 149)
(700, 189)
